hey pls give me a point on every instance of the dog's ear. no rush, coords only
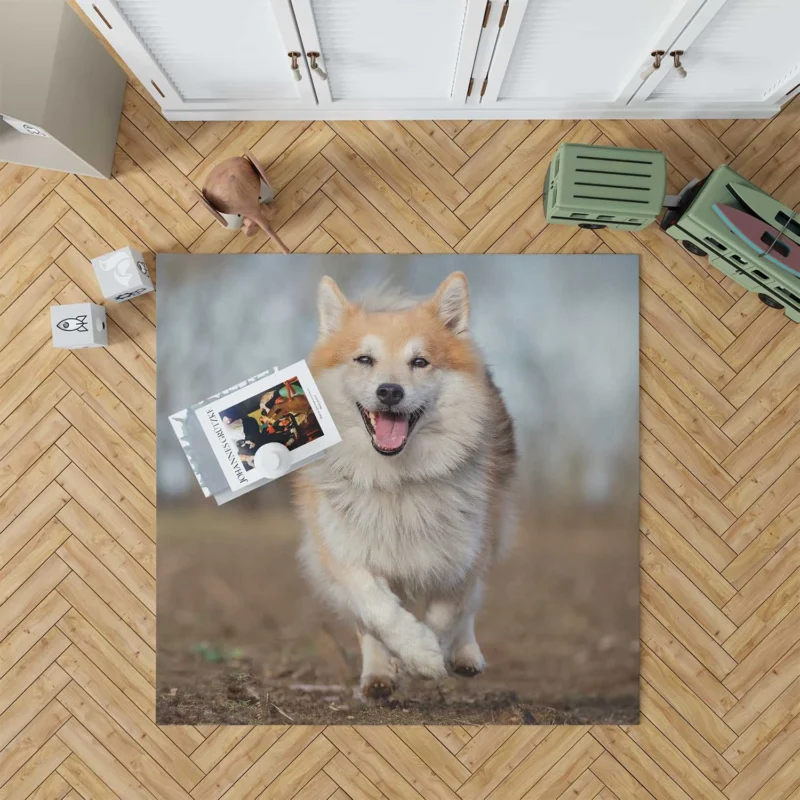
(451, 303)
(331, 305)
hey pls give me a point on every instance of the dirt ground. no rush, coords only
(242, 639)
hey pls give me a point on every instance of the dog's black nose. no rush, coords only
(390, 394)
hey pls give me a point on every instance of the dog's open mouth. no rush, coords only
(389, 431)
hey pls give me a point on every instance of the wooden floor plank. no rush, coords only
(684, 447)
(159, 131)
(684, 411)
(160, 169)
(684, 737)
(125, 568)
(670, 578)
(12, 176)
(768, 433)
(228, 755)
(78, 449)
(643, 768)
(101, 763)
(355, 138)
(476, 133)
(760, 697)
(123, 638)
(29, 194)
(30, 230)
(682, 555)
(30, 267)
(30, 630)
(761, 590)
(34, 736)
(499, 182)
(118, 597)
(685, 664)
(764, 400)
(437, 143)
(419, 161)
(83, 781)
(349, 780)
(152, 197)
(128, 718)
(384, 198)
(713, 729)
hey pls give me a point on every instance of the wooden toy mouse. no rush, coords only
(236, 192)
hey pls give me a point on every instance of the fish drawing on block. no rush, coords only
(77, 324)
(769, 209)
(763, 238)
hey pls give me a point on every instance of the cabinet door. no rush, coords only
(380, 54)
(578, 54)
(735, 51)
(206, 54)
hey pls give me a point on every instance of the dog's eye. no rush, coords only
(366, 360)
(420, 362)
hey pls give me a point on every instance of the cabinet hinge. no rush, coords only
(486, 13)
(483, 88)
(469, 88)
(503, 15)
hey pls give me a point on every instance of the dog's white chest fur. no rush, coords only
(424, 535)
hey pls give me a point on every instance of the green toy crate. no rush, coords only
(605, 187)
(697, 226)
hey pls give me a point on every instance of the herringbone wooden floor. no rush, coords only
(720, 469)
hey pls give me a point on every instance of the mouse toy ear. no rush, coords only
(213, 211)
(257, 167)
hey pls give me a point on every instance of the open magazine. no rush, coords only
(221, 435)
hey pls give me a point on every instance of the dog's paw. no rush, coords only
(467, 661)
(425, 657)
(377, 687)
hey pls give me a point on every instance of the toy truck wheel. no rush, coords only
(769, 301)
(592, 226)
(693, 248)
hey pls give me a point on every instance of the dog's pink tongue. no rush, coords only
(390, 431)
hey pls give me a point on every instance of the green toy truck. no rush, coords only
(605, 187)
(613, 187)
(701, 231)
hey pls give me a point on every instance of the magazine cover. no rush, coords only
(284, 407)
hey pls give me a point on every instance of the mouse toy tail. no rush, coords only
(270, 231)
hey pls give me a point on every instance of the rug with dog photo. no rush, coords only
(461, 544)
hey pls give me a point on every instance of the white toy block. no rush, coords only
(79, 325)
(122, 274)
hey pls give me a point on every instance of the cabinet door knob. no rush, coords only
(657, 56)
(294, 55)
(676, 57)
(315, 68)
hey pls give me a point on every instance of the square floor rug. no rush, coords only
(427, 515)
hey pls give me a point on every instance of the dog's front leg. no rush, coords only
(378, 612)
(378, 668)
(452, 618)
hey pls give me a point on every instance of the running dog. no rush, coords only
(417, 500)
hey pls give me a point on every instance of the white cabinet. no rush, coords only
(587, 58)
(362, 59)
(734, 51)
(381, 55)
(210, 56)
(579, 51)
